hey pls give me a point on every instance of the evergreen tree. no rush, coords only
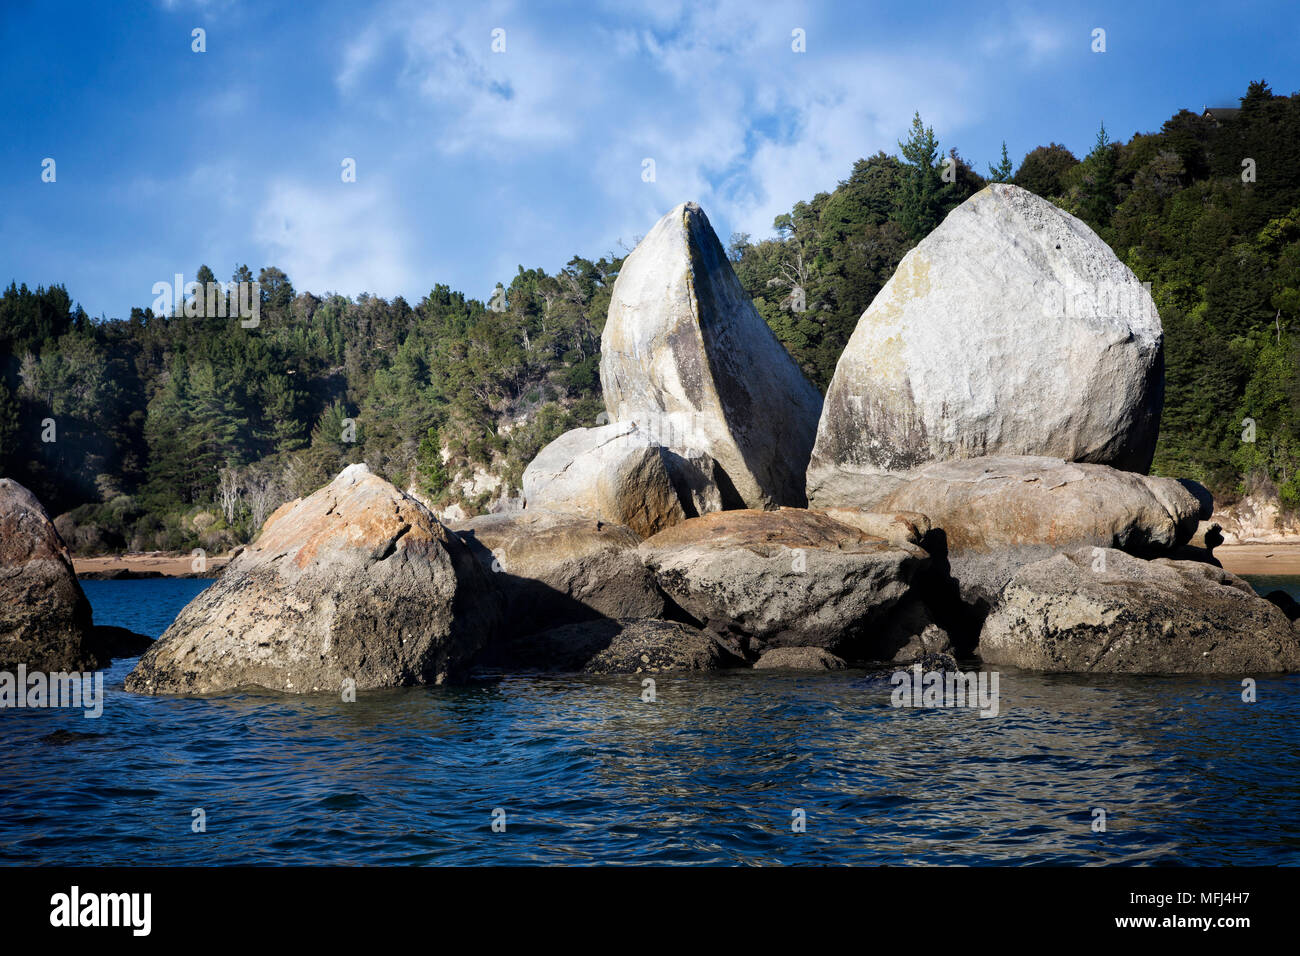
(1001, 173)
(923, 187)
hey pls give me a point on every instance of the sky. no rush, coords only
(487, 136)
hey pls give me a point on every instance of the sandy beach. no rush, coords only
(1265, 558)
(152, 564)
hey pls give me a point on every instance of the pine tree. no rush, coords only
(1001, 173)
(923, 188)
(1096, 198)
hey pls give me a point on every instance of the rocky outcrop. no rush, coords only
(558, 568)
(617, 474)
(991, 516)
(1101, 610)
(614, 647)
(761, 579)
(45, 619)
(1012, 329)
(799, 659)
(685, 355)
(357, 582)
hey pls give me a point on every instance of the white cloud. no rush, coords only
(346, 238)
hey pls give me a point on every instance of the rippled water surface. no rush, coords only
(710, 773)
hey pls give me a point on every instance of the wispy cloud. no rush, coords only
(348, 238)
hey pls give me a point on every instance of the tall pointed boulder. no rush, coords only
(687, 357)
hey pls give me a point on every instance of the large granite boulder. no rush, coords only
(357, 582)
(45, 619)
(556, 568)
(764, 579)
(606, 646)
(686, 356)
(1101, 610)
(1012, 329)
(616, 473)
(991, 516)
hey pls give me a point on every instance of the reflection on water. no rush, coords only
(710, 773)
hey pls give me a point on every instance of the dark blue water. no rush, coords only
(586, 772)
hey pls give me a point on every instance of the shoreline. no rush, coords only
(145, 565)
(1260, 557)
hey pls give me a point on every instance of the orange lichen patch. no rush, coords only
(362, 516)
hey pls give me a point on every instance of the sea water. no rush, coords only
(734, 767)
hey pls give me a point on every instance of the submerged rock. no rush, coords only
(685, 355)
(113, 642)
(763, 579)
(357, 582)
(1012, 329)
(558, 568)
(799, 659)
(642, 646)
(45, 619)
(1101, 610)
(908, 634)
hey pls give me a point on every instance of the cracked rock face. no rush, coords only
(685, 355)
(355, 582)
(1103, 611)
(1012, 329)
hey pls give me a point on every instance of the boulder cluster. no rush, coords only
(973, 485)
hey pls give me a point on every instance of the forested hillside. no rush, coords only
(182, 431)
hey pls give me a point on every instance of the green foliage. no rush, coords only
(1043, 169)
(1001, 173)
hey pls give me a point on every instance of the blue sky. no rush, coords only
(471, 162)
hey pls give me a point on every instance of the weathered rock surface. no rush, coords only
(799, 659)
(1106, 611)
(614, 647)
(556, 568)
(616, 473)
(686, 356)
(45, 619)
(899, 527)
(1012, 329)
(994, 515)
(763, 579)
(355, 582)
